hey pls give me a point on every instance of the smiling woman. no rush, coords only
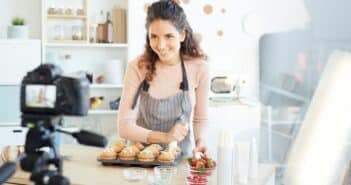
(162, 83)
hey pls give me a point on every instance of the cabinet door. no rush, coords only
(17, 58)
(14, 135)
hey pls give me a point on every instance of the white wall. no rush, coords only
(28, 9)
(236, 51)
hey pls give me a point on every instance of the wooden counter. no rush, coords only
(84, 169)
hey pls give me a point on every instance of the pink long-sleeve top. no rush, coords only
(164, 84)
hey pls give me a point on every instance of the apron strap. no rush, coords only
(141, 86)
(184, 85)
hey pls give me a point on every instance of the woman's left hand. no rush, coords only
(200, 146)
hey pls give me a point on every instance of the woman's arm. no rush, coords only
(200, 120)
(127, 127)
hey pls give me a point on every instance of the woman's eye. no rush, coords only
(169, 36)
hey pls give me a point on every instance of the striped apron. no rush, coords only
(162, 114)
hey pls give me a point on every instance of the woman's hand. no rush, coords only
(178, 132)
(200, 146)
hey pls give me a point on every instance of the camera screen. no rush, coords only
(40, 96)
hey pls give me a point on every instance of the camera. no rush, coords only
(46, 96)
(45, 91)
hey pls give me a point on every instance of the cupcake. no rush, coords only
(166, 157)
(119, 145)
(139, 145)
(155, 148)
(108, 154)
(146, 156)
(134, 148)
(127, 154)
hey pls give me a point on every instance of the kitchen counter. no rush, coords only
(82, 168)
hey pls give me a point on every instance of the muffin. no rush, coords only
(155, 148)
(146, 156)
(127, 154)
(119, 145)
(108, 154)
(134, 148)
(166, 157)
(139, 145)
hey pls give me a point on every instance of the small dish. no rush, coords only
(196, 180)
(164, 174)
(134, 173)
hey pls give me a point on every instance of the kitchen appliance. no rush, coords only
(226, 87)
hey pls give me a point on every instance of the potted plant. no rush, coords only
(18, 29)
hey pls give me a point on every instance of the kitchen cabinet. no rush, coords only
(18, 57)
(15, 135)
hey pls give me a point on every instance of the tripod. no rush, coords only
(46, 166)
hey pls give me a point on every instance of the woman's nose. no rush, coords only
(161, 44)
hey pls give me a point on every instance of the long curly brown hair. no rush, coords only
(169, 10)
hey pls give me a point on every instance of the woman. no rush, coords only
(166, 83)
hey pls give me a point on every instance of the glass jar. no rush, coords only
(80, 11)
(77, 33)
(69, 11)
(92, 33)
(59, 32)
(60, 10)
(51, 10)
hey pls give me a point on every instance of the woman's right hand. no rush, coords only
(178, 132)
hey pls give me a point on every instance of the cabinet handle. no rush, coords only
(17, 131)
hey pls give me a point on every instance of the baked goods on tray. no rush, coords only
(127, 152)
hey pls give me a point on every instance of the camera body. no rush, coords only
(44, 91)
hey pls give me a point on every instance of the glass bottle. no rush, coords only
(109, 28)
(100, 35)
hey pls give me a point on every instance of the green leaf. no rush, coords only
(18, 21)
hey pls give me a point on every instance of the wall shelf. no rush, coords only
(93, 112)
(67, 16)
(71, 42)
(106, 86)
(54, 43)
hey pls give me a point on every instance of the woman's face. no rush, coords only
(165, 40)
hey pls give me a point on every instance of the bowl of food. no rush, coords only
(196, 180)
(202, 166)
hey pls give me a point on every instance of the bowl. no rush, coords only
(134, 173)
(203, 172)
(196, 180)
(164, 174)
